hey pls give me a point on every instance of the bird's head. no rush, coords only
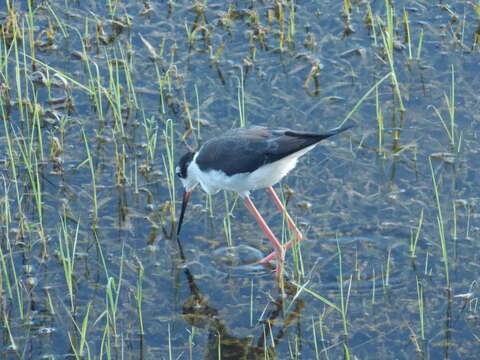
(182, 172)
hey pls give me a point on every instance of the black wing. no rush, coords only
(246, 149)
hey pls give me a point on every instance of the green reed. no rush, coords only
(414, 238)
(93, 176)
(440, 225)
(68, 253)
(169, 165)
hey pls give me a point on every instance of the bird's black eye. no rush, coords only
(178, 171)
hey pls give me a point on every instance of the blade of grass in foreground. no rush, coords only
(92, 170)
(302, 288)
(362, 99)
(169, 165)
(441, 226)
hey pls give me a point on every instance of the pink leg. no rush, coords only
(284, 212)
(278, 249)
(290, 221)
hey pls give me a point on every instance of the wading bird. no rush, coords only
(246, 159)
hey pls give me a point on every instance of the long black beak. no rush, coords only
(186, 197)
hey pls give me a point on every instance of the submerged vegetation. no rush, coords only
(98, 101)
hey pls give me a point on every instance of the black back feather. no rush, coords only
(246, 149)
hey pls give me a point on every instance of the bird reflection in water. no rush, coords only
(222, 342)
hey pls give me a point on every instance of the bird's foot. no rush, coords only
(273, 254)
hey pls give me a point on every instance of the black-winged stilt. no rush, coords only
(246, 159)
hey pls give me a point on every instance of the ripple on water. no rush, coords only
(238, 261)
(365, 259)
